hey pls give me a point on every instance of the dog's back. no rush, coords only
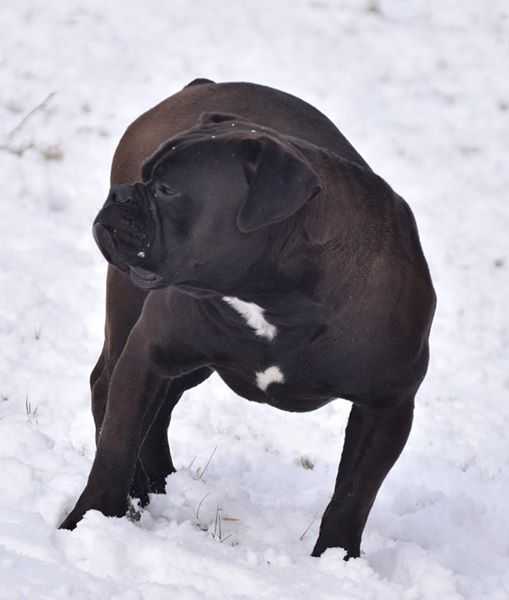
(256, 103)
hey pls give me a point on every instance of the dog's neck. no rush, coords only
(297, 280)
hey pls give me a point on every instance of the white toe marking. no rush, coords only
(253, 314)
(270, 375)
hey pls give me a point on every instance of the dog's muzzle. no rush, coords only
(125, 227)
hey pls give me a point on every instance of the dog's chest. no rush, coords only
(266, 362)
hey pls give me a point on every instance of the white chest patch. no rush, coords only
(253, 314)
(271, 375)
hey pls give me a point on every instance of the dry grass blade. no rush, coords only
(29, 115)
(307, 529)
(204, 470)
(197, 511)
(19, 150)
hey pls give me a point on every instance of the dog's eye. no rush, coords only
(163, 190)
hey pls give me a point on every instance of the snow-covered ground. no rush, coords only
(420, 87)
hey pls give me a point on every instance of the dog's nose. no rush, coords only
(121, 194)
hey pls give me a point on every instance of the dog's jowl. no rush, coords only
(246, 236)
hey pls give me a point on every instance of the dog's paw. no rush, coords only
(107, 504)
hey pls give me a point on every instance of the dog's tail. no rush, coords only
(199, 81)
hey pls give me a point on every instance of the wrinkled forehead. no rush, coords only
(219, 140)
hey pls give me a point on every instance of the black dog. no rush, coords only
(254, 242)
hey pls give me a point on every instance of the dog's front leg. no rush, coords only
(133, 391)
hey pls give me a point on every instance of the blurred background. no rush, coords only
(420, 89)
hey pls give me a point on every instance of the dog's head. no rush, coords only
(199, 218)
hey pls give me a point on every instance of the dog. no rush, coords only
(247, 237)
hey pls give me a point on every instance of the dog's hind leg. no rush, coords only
(99, 391)
(155, 456)
(373, 441)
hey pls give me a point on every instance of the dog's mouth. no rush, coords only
(103, 236)
(145, 279)
(114, 244)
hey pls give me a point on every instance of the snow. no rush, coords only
(421, 90)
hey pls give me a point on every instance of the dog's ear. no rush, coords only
(212, 118)
(280, 182)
